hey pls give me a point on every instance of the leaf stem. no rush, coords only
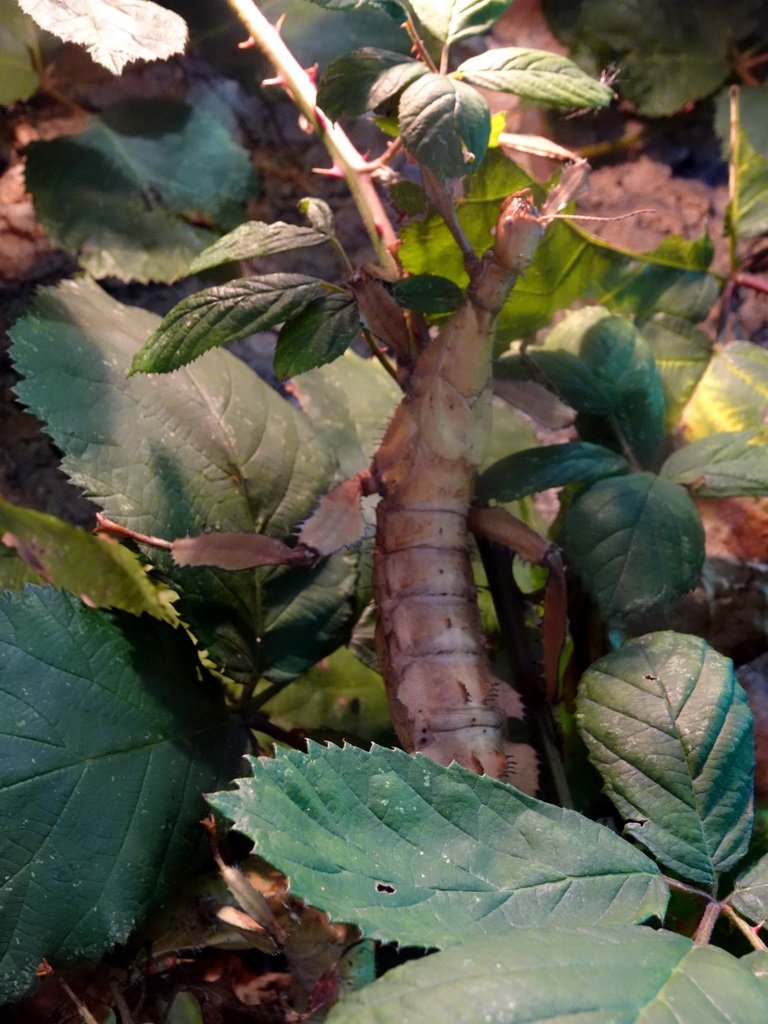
(707, 923)
(746, 929)
(378, 353)
(346, 158)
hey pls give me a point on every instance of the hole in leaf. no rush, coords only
(385, 887)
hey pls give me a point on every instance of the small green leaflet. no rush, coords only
(561, 976)
(228, 312)
(556, 465)
(103, 574)
(109, 738)
(451, 20)
(115, 32)
(750, 893)
(669, 729)
(681, 352)
(360, 81)
(611, 526)
(427, 293)
(534, 75)
(255, 238)
(425, 855)
(321, 332)
(445, 124)
(722, 465)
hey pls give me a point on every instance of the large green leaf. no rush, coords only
(451, 20)
(635, 541)
(731, 395)
(210, 447)
(553, 976)
(108, 740)
(426, 855)
(134, 181)
(570, 265)
(722, 465)
(625, 383)
(669, 729)
(226, 313)
(536, 75)
(357, 82)
(256, 238)
(115, 32)
(445, 125)
(555, 465)
(750, 893)
(682, 352)
(321, 332)
(18, 37)
(103, 574)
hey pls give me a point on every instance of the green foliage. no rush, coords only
(431, 856)
(741, 125)
(670, 731)
(611, 526)
(534, 75)
(556, 465)
(547, 976)
(19, 78)
(669, 53)
(722, 465)
(732, 393)
(681, 352)
(134, 179)
(101, 573)
(321, 332)
(109, 739)
(115, 32)
(254, 239)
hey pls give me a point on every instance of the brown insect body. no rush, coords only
(444, 698)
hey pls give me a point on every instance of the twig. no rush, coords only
(104, 525)
(346, 158)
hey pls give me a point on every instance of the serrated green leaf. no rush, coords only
(19, 78)
(428, 293)
(426, 855)
(750, 893)
(624, 383)
(609, 530)
(319, 214)
(226, 313)
(134, 180)
(210, 447)
(451, 20)
(109, 739)
(389, 7)
(553, 465)
(559, 976)
(534, 75)
(319, 333)
(103, 574)
(14, 573)
(722, 465)
(732, 393)
(360, 81)
(569, 265)
(253, 239)
(349, 403)
(682, 352)
(669, 729)
(445, 125)
(115, 32)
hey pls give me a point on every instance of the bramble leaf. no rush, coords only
(451, 20)
(363, 80)
(555, 465)
(115, 32)
(256, 238)
(669, 729)
(109, 738)
(722, 465)
(732, 393)
(100, 572)
(135, 179)
(445, 125)
(426, 855)
(534, 75)
(216, 316)
(19, 78)
(609, 530)
(557, 976)
(319, 333)
(750, 893)
(682, 352)
(427, 293)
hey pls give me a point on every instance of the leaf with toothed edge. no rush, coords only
(425, 855)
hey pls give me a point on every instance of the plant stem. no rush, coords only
(346, 158)
(707, 923)
(747, 930)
